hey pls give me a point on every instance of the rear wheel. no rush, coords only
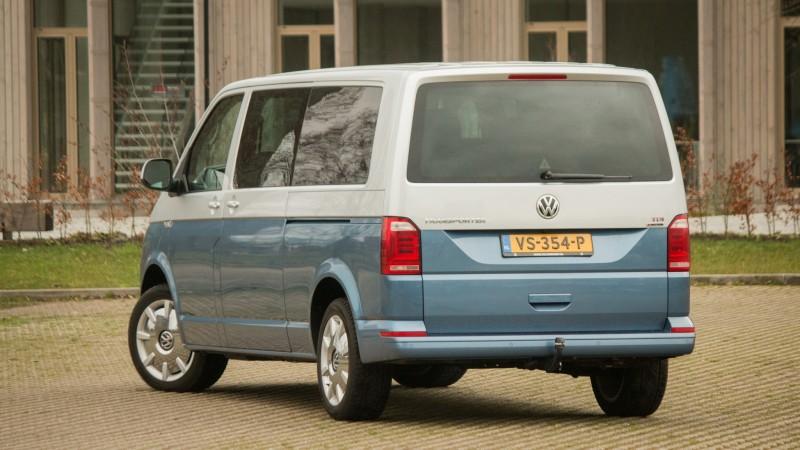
(632, 391)
(350, 390)
(427, 376)
(157, 348)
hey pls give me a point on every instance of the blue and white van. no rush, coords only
(410, 222)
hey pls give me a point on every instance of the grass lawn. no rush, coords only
(742, 255)
(48, 266)
(44, 266)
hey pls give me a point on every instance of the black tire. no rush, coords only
(427, 376)
(367, 386)
(205, 368)
(633, 391)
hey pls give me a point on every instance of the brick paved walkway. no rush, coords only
(67, 382)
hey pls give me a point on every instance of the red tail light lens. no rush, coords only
(400, 247)
(403, 334)
(682, 330)
(678, 255)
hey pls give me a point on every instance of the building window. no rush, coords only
(399, 31)
(556, 30)
(62, 97)
(153, 70)
(790, 10)
(306, 33)
(659, 36)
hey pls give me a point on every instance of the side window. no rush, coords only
(336, 136)
(205, 168)
(271, 130)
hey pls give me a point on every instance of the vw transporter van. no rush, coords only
(411, 222)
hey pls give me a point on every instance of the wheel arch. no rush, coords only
(158, 271)
(333, 280)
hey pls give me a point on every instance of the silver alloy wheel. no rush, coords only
(334, 360)
(159, 343)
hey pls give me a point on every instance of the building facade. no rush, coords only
(91, 88)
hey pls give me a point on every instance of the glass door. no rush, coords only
(791, 97)
(62, 93)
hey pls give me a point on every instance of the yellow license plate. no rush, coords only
(547, 244)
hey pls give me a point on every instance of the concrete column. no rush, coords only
(199, 59)
(100, 96)
(707, 97)
(451, 30)
(596, 35)
(344, 19)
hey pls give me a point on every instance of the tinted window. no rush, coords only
(399, 31)
(512, 131)
(205, 168)
(336, 137)
(271, 130)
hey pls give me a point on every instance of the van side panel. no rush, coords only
(354, 246)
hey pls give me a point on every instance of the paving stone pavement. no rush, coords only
(67, 382)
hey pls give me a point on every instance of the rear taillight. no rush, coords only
(400, 247)
(678, 259)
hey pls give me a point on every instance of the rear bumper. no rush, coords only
(375, 348)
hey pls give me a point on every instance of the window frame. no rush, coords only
(786, 22)
(70, 36)
(314, 34)
(562, 29)
(179, 173)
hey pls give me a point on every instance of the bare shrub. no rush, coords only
(772, 194)
(61, 213)
(741, 182)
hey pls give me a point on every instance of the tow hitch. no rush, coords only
(555, 363)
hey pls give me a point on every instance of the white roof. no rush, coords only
(399, 70)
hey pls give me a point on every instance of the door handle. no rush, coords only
(213, 204)
(233, 204)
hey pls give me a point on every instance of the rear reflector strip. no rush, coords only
(682, 329)
(403, 333)
(537, 76)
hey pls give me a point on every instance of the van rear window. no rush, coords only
(514, 131)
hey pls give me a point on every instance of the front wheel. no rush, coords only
(157, 349)
(632, 391)
(350, 390)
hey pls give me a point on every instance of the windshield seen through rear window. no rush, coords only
(514, 131)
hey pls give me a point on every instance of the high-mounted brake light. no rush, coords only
(400, 247)
(678, 254)
(537, 76)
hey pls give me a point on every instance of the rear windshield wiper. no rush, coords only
(549, 175)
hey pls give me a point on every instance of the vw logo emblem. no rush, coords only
(547, 206)
(166, 340)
